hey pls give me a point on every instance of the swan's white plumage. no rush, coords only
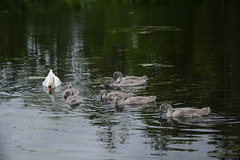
(51, 78)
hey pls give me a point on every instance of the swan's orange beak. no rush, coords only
(49, 89)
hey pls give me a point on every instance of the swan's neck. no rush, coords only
(119, 78)
(120, 102)
(170, 111)
(51, 82)
(104, 94)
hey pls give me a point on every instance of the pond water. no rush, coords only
(188, 49)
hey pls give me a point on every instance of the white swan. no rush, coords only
(51, 81)
(119, 77)
(112, 96)
(184, 112)
(70, 91)
(138, 100)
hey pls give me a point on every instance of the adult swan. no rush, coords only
(51, 81)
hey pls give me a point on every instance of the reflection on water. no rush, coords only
(187, 50)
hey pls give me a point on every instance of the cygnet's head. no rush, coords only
(163, 107)
(69, 86)
(108, 83)
(103, 92)
(117, 74)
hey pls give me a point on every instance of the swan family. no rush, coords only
(120, 98)
(70, 94)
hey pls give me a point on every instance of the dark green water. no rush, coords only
(188, 49)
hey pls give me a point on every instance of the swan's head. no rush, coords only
(103, 93)
(117, 74)
(164, 107)
(50, 84)
(50, 88)
(108, 83)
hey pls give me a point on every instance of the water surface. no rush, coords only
(189, 51)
